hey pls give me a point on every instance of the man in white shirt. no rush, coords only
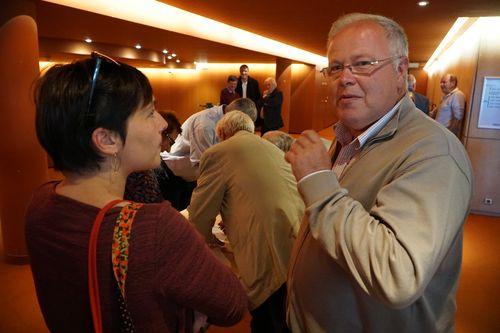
(247, 86)
(451, 109)
(198, 134)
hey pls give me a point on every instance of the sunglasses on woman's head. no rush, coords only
(99, 58)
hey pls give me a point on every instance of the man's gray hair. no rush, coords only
(393, 31)
(280, 139)
(232, 123)
(273, 82)
(395, 34)
(245, 105)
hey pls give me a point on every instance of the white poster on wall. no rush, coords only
(489, 111)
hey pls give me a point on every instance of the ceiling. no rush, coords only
(302, 24)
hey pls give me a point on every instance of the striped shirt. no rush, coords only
(352, 146)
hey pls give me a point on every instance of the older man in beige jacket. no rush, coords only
(248, 181)
(380, 249)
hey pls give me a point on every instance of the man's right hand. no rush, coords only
(307, 155)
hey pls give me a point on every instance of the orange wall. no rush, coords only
(302, 98)
(23, 167)
(463, 65)
(421, 77)
(311, 106)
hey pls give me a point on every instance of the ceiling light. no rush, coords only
(165, 51)
(201, 66)
(423, 3)
(169, 57)
(177, 61)
(194, 62)
(138, 46)
(450, 36)
(160, 15)
(174, 55)
(88, 40)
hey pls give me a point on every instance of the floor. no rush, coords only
(478, 294)
(477, 299)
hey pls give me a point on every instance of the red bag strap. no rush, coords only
(120, 247)
(95, 304)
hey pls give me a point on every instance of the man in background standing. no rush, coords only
(421, 101)
(247, 86)
(229, 94)
(270, 107)
(451, 109)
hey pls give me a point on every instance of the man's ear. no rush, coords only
(106, 142)
(403, 66)
(401, 70)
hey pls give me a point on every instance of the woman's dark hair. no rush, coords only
(64, 120)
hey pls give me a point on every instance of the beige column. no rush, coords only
(23, 164)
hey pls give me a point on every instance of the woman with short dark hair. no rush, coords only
(96, 119)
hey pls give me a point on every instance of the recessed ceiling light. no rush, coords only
(177, 61)
(169, 57)
(174, 55)
(165, 51)
(88, 40)
(138, 46)
(423, 3)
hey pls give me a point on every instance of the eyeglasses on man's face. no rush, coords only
(362, 67)
(168, 137)
(99, 58)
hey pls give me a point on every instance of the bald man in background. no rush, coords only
(452, 107)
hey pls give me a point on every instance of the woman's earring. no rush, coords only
(115, 165)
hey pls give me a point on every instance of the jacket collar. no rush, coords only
(392, 125)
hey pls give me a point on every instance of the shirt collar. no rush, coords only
(344, 136)
(451, 92)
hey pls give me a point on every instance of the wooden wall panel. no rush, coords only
(284, 81)
(184, 91)
(324, 115)
(485, 159)
(302, 98)
(483, 145)
(312, 106)
(477, 58)
(421, 77)
(488, 64)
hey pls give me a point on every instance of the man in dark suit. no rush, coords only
(229, 94)
(270, 107)
(421, 101)
(247, 86)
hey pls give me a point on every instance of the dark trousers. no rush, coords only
(270, 316)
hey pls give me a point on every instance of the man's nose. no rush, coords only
(346, 76)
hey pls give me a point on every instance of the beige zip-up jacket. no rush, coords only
(380, 249)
